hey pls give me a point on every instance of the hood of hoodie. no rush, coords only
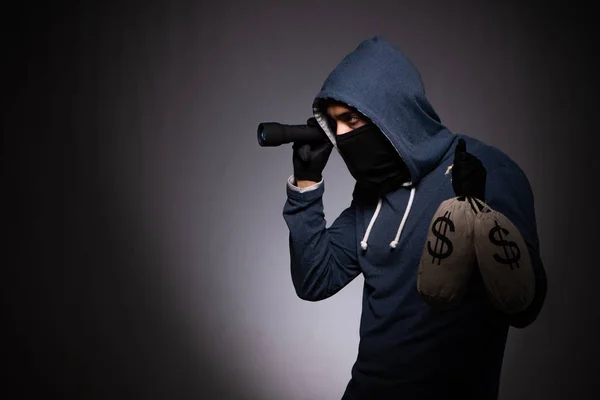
(380, 82)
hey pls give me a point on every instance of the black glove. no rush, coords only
(310, 159)
(468, 173)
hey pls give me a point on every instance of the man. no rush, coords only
(374, 110)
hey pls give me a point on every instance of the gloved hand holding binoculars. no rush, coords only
(311, 147)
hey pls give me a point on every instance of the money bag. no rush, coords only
(504, 261)
(448, 257)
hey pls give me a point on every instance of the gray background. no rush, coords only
(150, 257)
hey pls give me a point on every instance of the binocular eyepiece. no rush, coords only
(271, 134)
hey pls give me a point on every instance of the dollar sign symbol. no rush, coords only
(441, 223)
(511, 249)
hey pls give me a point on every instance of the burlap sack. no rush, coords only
(448, 256)
(504, 261)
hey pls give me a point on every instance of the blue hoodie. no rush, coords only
(407, 349)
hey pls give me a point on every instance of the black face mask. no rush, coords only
(372, 159)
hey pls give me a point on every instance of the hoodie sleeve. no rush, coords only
(509, 192)
(323, 260)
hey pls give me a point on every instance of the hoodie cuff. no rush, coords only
(304, 194)
(292, 187)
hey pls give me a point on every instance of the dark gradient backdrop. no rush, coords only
(147, 255)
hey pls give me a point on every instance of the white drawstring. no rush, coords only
(394, 243)
(363, 243)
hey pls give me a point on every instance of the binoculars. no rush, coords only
(271, 134)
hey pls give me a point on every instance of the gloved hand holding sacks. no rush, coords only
(464, 233)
